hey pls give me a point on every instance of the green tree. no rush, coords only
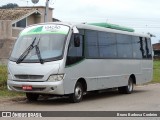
(9, 5)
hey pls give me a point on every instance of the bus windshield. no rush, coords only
(50, 47)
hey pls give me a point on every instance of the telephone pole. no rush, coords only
(46, 12)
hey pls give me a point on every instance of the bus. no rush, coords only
(70, 59)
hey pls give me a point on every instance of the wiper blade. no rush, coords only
(39, 55)
(38, 52)
(26, 52)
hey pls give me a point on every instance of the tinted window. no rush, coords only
(107, 45)
(112, 45)
(144, 48)
(141, 48)
(75, 54)
(137, 52)
(22, 23)
(124, 46)
(92, 44)
(148, 48)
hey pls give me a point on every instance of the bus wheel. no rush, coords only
(78, 93)
(127, 89)
(32, 96)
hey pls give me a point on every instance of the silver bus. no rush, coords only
(72, 59)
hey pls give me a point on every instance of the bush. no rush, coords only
(156, 71)
(3, 77)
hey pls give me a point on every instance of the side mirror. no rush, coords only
(76, 41)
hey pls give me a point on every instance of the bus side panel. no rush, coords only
(75, 72)
(147, 70)
(116, 72)
(102, 73)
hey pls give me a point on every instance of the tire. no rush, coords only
(32, 96)
(127, 89)
(77, 96)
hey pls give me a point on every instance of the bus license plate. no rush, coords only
(27, 87)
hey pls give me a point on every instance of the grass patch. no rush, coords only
(156, 72)
(3, 84)
(3, 77)
(7, 94)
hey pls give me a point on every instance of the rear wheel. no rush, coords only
(127, 89)
(78, 93)
(32, 96)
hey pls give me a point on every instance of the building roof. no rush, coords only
(36, 7)
(55, 20)
(16, 14)
(156, 46)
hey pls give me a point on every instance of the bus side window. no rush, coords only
(75, 53)
(148, 47)
(143, 47)
(124, 46)
(137, 47)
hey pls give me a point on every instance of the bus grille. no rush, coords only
(29, 76)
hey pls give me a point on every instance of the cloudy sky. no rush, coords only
(142, 15)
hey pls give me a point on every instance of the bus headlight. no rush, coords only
(54, 78)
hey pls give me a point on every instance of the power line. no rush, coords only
(52, 2)
(120, 19)
(27, 1)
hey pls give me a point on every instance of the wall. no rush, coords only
(16, 31)
(5, 29)
(33, 19)
(8, 34)
(42, 11)
(6, 40)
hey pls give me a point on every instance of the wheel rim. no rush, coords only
(78, 92)
(130, 85)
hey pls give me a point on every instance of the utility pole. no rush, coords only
(46, 12)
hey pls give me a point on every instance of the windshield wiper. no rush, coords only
(39, 53)
(26, 52)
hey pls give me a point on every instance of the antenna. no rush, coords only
(25, 1)
(35, 1)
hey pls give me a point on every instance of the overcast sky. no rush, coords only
(142, 15)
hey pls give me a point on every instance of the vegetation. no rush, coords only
(156, 72)
(9, 5)
(3, 77)
(5, 93)
(3, 84)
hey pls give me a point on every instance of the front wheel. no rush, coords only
(32, 96)
(78, 93)
(127, 89)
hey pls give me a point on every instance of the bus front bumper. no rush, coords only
(37, 87)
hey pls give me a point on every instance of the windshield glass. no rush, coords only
(50, 40)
